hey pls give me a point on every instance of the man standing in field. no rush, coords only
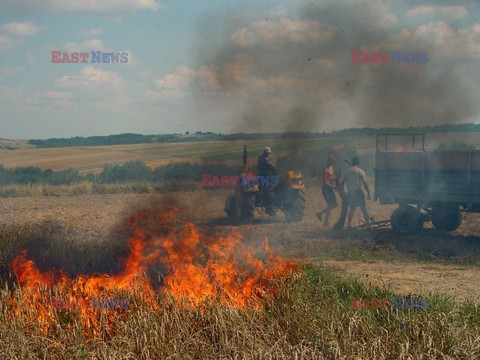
(328, 185)
(354, 178)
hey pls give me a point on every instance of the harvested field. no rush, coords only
(92, 158)
(94, 218)
(303, 314)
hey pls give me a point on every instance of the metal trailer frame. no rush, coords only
(427, 185)
(386, 135)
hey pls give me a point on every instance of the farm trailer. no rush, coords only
(427, 185)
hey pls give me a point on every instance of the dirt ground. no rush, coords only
(427, 263)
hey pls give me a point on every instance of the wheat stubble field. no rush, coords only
(308, 316)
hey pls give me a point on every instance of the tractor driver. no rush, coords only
(266, 168)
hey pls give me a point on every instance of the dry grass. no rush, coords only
(88, 188)
(310, 319)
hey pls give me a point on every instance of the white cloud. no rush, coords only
(275, 32)
(448, 42)
(172, 85)
(457, 43)
(105, 7)
(7, 42)
(154, 95)
(57, 97)
(91, 78)
(446, 12)
(276, 84)
(92, 31)
(182, 76)
(223, 77)
(87, 45)
(11, 34)
(20, 28)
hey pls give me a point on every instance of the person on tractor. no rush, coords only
(266, 168)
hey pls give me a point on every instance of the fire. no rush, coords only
(194, 268)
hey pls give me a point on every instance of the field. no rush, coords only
(427, 263)
(92, 158)
(309, 318)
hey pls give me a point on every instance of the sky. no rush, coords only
(235, 66)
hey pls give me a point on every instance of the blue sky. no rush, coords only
(229, 66)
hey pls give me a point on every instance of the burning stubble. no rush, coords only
(165, 255)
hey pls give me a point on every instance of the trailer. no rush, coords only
(431, 186)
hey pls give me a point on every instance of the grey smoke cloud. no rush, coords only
(293, 72)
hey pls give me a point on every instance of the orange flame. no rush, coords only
(195, 267)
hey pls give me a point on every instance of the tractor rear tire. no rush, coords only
(248, 207)
(240, 208)
(294, 206)
(446, 217)
(406, 220)
(230, 207)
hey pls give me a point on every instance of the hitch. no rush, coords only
(372, 224)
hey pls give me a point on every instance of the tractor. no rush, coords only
(287, 195)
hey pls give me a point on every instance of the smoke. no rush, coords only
(291, 70)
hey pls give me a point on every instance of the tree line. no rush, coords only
(130, 138)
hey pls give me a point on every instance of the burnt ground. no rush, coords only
(429, 262)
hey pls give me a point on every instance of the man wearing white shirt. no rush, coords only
(354, 178)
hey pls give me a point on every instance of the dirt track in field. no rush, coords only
(409, 264)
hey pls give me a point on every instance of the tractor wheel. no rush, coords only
(406, 220)
(294, 205)
(230, 207)
(248, 207)
(446, 217)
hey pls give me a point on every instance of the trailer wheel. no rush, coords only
(406, 220)
(446, 217)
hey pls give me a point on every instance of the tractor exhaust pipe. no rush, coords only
(244, 155)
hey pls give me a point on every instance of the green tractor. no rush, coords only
(287, 196)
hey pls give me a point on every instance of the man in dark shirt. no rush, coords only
(266, 168)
